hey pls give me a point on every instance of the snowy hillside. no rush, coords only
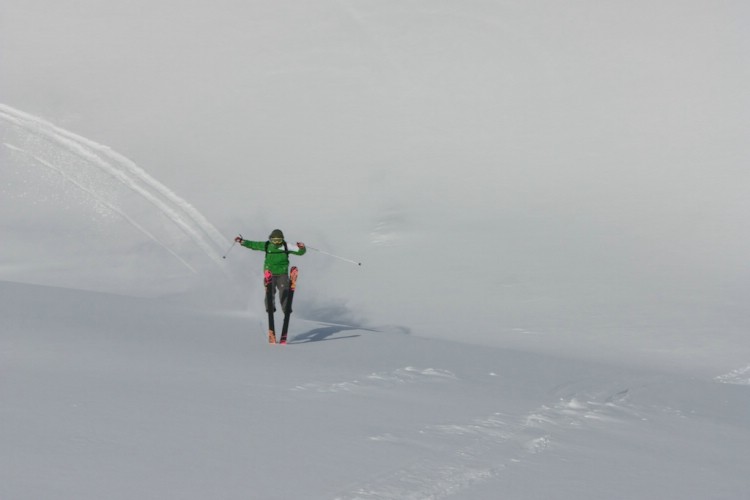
(549, 202)
(114, 397)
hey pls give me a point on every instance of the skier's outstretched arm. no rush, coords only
(301, 249)
(252, 245)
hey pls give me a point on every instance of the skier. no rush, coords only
(276, 271)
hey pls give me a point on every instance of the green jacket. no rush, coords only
(277, 257)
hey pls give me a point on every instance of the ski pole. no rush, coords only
(335, 256)
(230, 248)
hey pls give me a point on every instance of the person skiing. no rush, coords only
(276, 274)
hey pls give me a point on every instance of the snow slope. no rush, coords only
(106, 396)
(549, 201)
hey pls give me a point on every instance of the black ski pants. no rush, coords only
(279, 282)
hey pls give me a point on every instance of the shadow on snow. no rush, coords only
(325, 333)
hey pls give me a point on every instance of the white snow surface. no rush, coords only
(548, 201)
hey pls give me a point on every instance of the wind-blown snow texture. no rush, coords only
(548, 200)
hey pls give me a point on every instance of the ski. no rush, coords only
(268, 279)
(293, 273)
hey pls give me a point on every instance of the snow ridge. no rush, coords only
(406, 375)
(475, 450)
(482, 449)
(125, 171)
(740, 376)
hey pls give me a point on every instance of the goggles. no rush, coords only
(277, 241)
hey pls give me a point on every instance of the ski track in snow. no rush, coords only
(103, 201)
(181, 213)
(469, 450)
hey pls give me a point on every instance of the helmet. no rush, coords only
(276, 233)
